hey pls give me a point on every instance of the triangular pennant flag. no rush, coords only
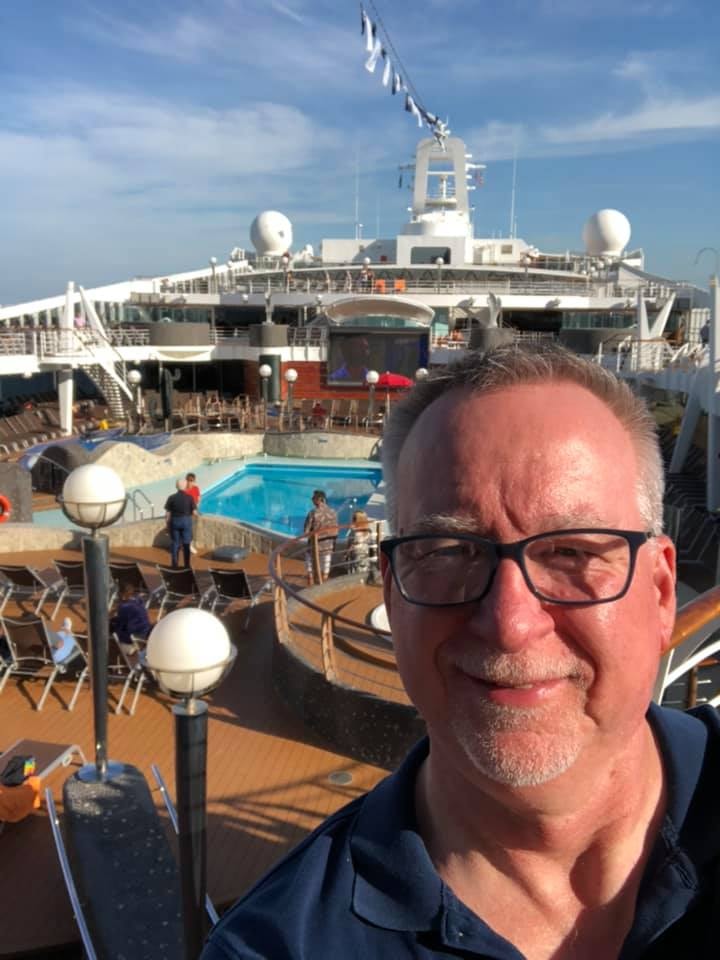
(388, 69)
(374, 57)
(397, 83)
(413, 108)
(369, 30)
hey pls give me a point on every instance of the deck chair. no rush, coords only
(128, 668)
(48, 756)
(230, 585)
(25, 583)
(123, 573)
(30, 647)
(179, 585)
(72, 582)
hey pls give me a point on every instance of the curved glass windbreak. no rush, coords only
(579, 566)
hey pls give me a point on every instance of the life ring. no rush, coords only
(5, 507)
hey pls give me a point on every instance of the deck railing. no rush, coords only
(308, 618)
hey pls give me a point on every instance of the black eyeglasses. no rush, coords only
(576, 567)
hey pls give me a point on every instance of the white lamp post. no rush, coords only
(371, 378)
(93, 496)
(291, 376)
(265, 371)
(189, 652)
(421, 374)
(213, 265)
(268, 306)
(439, 263)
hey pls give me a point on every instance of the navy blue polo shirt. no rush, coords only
(363, 886)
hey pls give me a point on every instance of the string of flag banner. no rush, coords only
(392, 77)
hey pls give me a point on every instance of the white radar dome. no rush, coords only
(606, 234)
(271, 234)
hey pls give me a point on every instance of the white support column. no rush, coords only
(67, 320)
(713, 386)
(66, 385)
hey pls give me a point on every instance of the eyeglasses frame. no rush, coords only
(515, 551)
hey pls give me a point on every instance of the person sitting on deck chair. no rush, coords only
(64, 645)
(552, 812)
(130, 622)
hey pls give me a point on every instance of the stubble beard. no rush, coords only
(520, 747)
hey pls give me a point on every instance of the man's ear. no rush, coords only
(664, 576)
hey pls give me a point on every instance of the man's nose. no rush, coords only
(510, 615)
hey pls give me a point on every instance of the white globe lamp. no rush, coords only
(189, 653)
(134, 377)
(421, 374)
(93, 496)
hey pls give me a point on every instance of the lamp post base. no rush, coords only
(91, 773)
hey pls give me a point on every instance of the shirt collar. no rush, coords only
(396, 885)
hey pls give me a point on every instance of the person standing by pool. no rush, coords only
(320, 521)
(358, 543)
(179, 510)
(194, 490)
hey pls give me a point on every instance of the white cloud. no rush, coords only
(668, 117)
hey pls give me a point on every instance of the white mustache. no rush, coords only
(521, 669)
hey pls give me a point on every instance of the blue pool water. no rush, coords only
(277, 497)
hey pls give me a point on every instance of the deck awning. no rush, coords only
(350, 309)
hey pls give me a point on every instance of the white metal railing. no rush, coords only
(139, 494)
(128, 337)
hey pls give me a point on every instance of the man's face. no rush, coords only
(512, 688)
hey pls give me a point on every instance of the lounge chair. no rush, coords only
(178, 586)
(30, 646)
(231, 585)
(72, 588)
(25, 583)
(132, 573)
(48, 756)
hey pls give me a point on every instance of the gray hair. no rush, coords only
(181, 483)
(513, 364)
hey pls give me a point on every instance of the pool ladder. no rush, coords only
(139, 494)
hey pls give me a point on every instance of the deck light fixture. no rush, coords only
(189, 652)
(291, 376)
(421, 374)
(213, 265)
(371, 378)
(94, 496)
(265, 371)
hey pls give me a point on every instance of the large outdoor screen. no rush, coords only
(351, 353)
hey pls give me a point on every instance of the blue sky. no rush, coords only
(142, 137)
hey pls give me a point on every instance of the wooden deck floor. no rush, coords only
(268, 778)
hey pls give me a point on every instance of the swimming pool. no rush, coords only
(277, 496)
